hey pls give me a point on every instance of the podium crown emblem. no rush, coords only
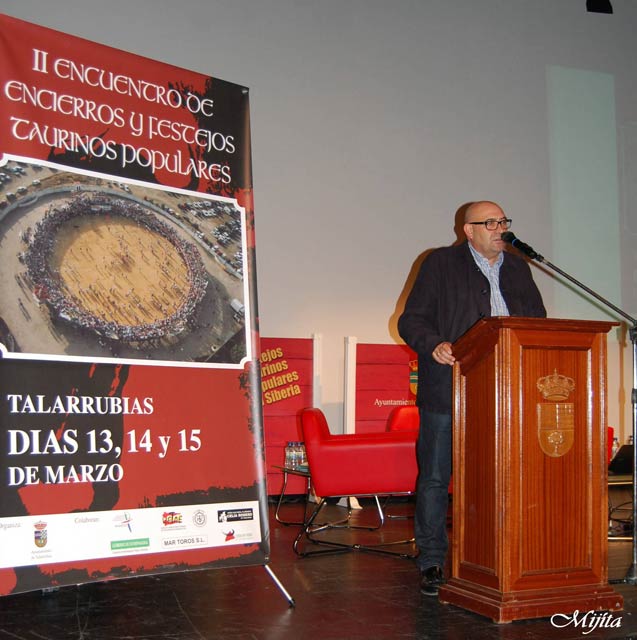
(556, 386)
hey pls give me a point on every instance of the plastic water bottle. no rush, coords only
(292, 455)
(289, 453)
(296, 457)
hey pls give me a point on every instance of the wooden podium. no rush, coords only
(529, 470)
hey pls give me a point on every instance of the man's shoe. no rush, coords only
(431, 580)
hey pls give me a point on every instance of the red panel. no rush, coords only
(384, 377)
(286, 375)
(280, 429)
(274, 456)
(290, 348)
(286, 381)
(286, 400)
(384, 353)
(376, 404)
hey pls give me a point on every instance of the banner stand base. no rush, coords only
(278, 583)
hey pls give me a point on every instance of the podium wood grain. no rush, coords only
(530, 527)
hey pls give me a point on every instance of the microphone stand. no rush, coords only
(631, 575)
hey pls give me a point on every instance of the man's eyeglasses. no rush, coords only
(492, 224)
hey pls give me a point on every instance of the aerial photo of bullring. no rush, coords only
(98, 268)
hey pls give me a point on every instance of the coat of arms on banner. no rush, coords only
(413, 376)
(40, 536)
(556, 421)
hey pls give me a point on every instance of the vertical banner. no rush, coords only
(130, 407)
(386, 377)
(286, 385)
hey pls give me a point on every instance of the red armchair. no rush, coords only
(367, 464)
(405, 418)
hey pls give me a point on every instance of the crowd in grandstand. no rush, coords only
(50, 288)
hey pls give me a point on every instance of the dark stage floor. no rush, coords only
(338, 597)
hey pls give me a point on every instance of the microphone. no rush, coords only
(510, 238)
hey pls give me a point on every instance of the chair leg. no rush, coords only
(345, 524)
(379, 548)
(280, 502)
(309, 530)
(381, 513)
(390, 516)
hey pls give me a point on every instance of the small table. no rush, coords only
(304, 472)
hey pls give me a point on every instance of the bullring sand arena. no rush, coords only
(98, 268)
(120, 271)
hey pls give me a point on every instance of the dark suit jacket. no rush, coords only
(449, 296)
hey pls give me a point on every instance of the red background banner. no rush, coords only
(69, 103)
(383, 382)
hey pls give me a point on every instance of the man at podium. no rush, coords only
(455, 287)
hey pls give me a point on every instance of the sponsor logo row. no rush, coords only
(176, 529)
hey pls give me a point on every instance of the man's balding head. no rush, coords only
(487, 243)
